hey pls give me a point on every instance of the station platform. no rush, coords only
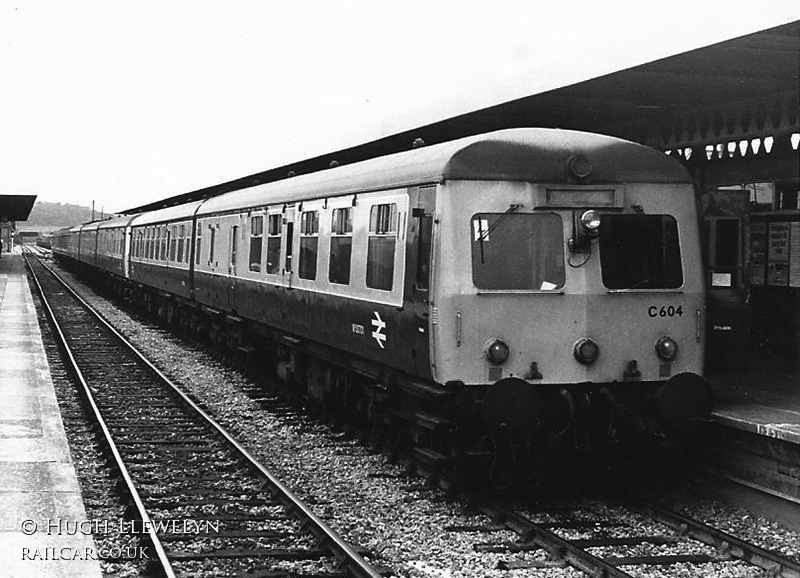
(39, 491)
(763, 404)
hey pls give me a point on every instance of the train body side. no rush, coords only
(295, 291)
(242, 254)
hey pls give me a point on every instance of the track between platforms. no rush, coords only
(198, 497)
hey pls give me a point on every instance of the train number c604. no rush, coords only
(665, 311)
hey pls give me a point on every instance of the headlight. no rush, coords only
(666, 348)
(586, 351)
(496, 351)
(590, 220)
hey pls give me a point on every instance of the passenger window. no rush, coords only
(234, 246)
(424, 240)
(274, 244)
(256, 242)
(381, 246)
(165, 244)
(173, 247)
(197, 244)
(181, 242)
(309, 240)
(341, 246)
(518, 251)
(211, 244)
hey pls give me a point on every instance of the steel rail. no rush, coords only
(558, 547)
(130, 487)
(346, 556)
(772, 562)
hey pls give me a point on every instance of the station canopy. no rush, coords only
(731, 107)
(16, 207)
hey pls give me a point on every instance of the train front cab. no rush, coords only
(577, 298)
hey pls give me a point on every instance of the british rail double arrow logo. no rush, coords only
(379, 325)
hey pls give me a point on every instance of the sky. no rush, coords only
(124, 103)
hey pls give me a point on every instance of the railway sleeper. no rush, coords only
(274, 553)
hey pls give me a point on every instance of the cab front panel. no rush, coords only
(508, 270)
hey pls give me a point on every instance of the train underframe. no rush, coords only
(509, 434)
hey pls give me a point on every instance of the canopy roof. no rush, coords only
(733, 91)
(16, 207)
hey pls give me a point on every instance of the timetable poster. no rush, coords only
(778, 254)
(794, 255)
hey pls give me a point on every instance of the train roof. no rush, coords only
(176, 213)
(116, 222)
(525, 154)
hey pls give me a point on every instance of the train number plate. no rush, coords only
(665, 311)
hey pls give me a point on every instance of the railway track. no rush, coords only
(623, 537)
(617, 539)
(613, 539)
(199, 501)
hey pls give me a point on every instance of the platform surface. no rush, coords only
(40, 500)
(766, 404)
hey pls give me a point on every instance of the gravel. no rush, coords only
(353, 488)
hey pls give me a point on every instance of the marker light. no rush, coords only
(586, 351)
(579, 166)
(496, 351)
(590, 221)
(666, 348)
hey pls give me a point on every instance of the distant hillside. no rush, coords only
(50, 216)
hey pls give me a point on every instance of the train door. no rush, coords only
(419, 275)
(126, 251)
(233, 257)
(287, 270)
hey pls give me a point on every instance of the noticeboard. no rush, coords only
(794, 254)
(778, 254)
(775, 253)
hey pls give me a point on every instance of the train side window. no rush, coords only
(197, 244)
(381, 246)
(234, 246)
(341, 246)
(173, 243)
(181, 242)
(518, 251)
(211, 244)
(256, 241)
(274, 244)
(424, 240)
(309, 242)
(164, 242)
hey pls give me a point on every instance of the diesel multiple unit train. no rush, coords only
(527, 288)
